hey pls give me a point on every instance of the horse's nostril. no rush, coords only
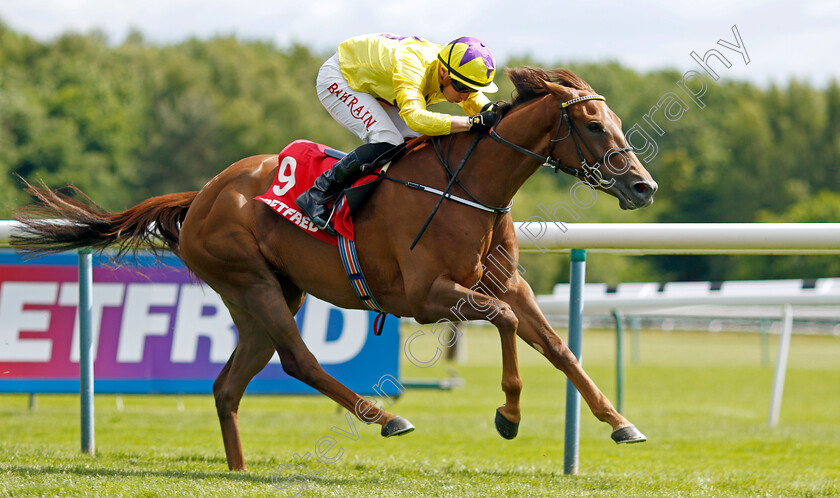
(645, 189)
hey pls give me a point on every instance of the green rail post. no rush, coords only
(635, 347)
(619, 360)
(572, 435)
(86, 348)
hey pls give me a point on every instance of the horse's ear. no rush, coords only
(563, 92)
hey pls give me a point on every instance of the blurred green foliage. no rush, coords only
(132, 120)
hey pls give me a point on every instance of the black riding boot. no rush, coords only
(314, 201)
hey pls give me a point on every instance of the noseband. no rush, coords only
(589, 173)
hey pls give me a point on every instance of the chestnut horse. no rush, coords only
(262, 265)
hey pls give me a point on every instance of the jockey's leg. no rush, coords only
(378, 125)
(314, 201)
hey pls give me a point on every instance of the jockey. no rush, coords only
(378, 86)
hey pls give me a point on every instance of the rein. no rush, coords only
(473, 204)
(443, 157)
(445, 192)
(589, 173)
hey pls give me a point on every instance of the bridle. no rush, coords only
(589, 173)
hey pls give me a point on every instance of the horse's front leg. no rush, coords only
(536, 331)
(449, 300)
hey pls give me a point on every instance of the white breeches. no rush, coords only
(359, 112)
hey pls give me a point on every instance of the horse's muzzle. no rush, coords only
(637, 194)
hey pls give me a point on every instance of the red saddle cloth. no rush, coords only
(301, 162)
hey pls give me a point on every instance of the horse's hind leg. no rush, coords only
(301, 364)
(254, 296)
(245, 362)
(251, 355)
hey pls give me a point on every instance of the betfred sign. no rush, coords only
(156, 330)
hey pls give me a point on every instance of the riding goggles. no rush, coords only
(460, 87)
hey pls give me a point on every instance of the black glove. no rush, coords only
(484, 120)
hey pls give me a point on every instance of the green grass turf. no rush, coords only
(702, 399)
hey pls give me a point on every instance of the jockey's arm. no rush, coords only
(409, 73)
(413, 111)
(459, 124)
(412, 104)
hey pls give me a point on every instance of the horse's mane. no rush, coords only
(527, 82)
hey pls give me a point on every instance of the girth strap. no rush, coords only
(347, 249)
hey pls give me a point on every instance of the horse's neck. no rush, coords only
(497, 172)
(494, 172)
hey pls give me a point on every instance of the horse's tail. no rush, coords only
(59, 222)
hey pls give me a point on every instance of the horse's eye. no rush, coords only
(595, 127)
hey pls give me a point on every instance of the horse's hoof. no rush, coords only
(397, 426)
(506, 428)
(627, 435)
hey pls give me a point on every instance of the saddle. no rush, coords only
(357, 193)
(300, 163)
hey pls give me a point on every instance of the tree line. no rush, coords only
(132, 120)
